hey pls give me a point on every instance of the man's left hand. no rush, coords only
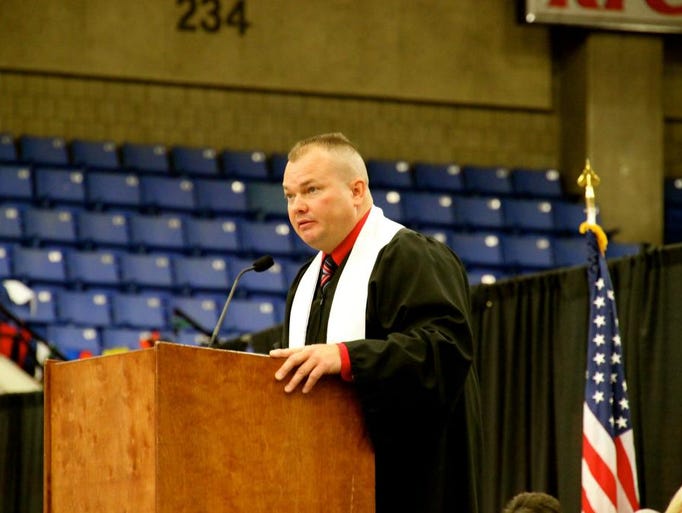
(310, 363)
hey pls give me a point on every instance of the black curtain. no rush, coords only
(21, 453)
(532, 335)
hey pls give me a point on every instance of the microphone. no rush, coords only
(259, 265)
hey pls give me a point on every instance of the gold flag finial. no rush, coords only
(588, 178)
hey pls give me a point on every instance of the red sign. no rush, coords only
(635, 15)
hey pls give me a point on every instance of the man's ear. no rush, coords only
(359, 189)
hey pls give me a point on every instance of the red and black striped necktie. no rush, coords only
(328, 269)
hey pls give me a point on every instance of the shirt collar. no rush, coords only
(341, 251)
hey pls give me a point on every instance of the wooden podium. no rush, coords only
(176, 429)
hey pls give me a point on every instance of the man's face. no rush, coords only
(322, 201)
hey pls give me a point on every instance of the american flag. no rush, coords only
(609, 471)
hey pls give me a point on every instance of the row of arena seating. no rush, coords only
(500, 254)
(94, 322)
(80, 155)
(265, 202)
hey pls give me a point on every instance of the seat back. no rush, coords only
(16, 182)
(246, 165)
(145, 158)
(45, 226)
(191, 161)
(43, 150)
(103, 229)
(92, 155)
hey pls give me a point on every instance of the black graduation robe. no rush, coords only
(414, 375)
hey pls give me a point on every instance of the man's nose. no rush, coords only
(298, 204)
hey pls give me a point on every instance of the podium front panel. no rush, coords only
(239, 443)
(99, 434)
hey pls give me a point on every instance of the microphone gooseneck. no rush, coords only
(259, 265)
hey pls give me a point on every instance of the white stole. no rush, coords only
(349, 304)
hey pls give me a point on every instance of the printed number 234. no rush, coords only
(206, 15)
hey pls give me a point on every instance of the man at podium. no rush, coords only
(387, 309)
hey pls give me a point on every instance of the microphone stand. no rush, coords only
(236, 345)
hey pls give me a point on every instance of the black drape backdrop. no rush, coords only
(532, 335)
(21, 453)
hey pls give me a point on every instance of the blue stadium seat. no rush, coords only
(570, 251)
(248, 316)
(43, 150)
(536, 183)
(428, 208)
(202, 273)
(16, 183)
(102, 229)
(44, 226)
(105, 190)
(115, 339)
(145, 270)
(622, 249)
(527, 253)
(487, 181)
(43, 265)
(389, 174)
(390, 202)
(212, 235)
(528, 215)
(83, 308)
(264, 237)
(11, 228)
(440, 233)
(438, 177)
(483, 276)
(221, 197)
(92, 268)
(278, 163)
(75, 342)
(141, 311)
(102, 155)
(476, 213)
(247, 165)
(39, 312)
(272, 281)
(145, 158)
(202, 310)
(8, 149)
(290, 268)
(672, 224)
(59, 185)
(5, 260)
(568, 216)
(156, 232)
(478, 249)
(190, 161)
(190, 337)
(672, 191)
(266, 200)
(165, 193)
